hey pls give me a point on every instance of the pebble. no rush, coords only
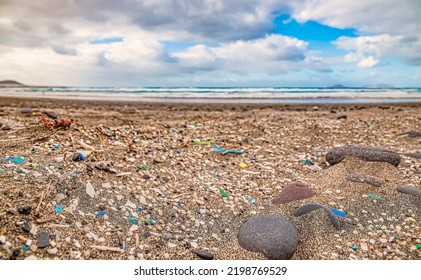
(43, 240)
(309, 207)
(52, 251)
(293, 192)
(203, 255)
(25, 210)
(355, 177)
(31, 258)
(271, 235)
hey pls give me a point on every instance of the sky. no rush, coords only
(257, 43)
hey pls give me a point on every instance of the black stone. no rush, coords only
(43, 240)
(25, 210)
(26, 110)
(342, 117)
(16, 252)
(26, 227)
(203, 255)
(6, 127)
(273, 236)
(51, 114)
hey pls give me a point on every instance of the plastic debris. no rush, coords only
(224, 194)
(59, 208)
(305, 161)
(81, 156)
(101, 213)
(418, 246)
(18, 159)
(25, 248)
(354, 248)
(203, 143)
(309, 207)
(150, 221)
(375, 196)
(338, 213)
(90, 190)
(242, 165)
(410, 219)
(223, 151)
(132, 220)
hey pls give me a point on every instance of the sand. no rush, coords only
(170, 188)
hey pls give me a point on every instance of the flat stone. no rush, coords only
(203, 255)
(273, 236)
(409, 189)
(26, 110)
(43, 240)
(30, 258)
(25, 210)
(359, 178)
(51, 114)
(336, 155)
(52, 251)
(293, 192)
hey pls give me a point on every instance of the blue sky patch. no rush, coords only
(310, 30)
(172, 46)
(109, 40)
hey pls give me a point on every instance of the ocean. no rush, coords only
(224, 94)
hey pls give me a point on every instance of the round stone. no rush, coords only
(273, 236)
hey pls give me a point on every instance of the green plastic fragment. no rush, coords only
(224, 194)
(164, 149)
(418, 246)
(375, 196)
(144, 166)
(203, 142)
(396, 236)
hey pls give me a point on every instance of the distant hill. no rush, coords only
(11, 83)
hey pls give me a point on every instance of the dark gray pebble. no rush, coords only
(43, 240)
(309, 207)
(51, 114)
(362, 152)
(273, 236)
(203, 255)
(25, 210)
(409, 189)
(359, 178)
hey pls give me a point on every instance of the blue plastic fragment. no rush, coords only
(375, 196)
(254, 202)
(253, 158)
(25, 248)
(57, 147)
(249, 198)
(132, 220)
(18, 159)
(139, 209)
(59, 208)
(223, 151)
(81, 156)
(305, 161)
(123, 245)
(338, 213)
(101, 213)
(178, 152)
(150, 150)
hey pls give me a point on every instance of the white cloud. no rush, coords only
(367, 62)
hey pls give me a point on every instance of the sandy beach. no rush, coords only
(132, 180)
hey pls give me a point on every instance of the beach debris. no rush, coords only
(409, 189)
(293, 192)
(90, 190)
(6, 127)
(309, 207)
(338, 212)
(362, 152)
(375, 196)
(51, 114)
(25, 111)
(43, 240)
(413, 155)
(306, 161)
(273, 236)
(26, 227)
(65, 123)
(224, 194)
(242, 165)
(356, 177)
(106, 248)
(25, 210)
(18, 159)
(59, 208)
(411, 133)
(223, 151)
(203, 255)
(202, 143)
